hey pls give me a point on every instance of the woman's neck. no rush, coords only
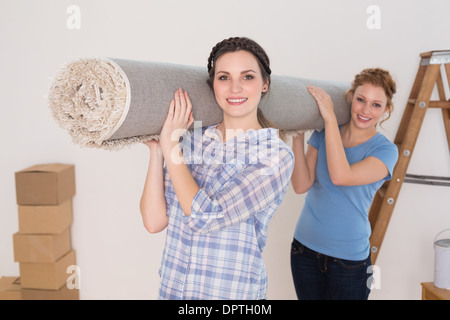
(352, 136)
(230, 128)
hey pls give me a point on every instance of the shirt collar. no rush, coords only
(252, 136)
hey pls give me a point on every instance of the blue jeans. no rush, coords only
(321, 277)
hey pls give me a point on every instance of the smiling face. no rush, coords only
(368, 105)
(238, 84)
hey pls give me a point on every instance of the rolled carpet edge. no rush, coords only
(88, 98)
(110, 103)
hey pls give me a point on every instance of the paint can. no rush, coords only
(442, 262)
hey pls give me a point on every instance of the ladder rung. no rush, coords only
(433, 104)
(439, 104)
(430, 180)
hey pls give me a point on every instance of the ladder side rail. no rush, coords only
(410, 106)
(380, 195)
(409, 136)
(446, 112)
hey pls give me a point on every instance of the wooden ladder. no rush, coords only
(428, 75)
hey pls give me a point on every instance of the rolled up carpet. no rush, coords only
(111, 103)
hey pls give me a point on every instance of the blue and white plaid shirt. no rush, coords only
(215, 253)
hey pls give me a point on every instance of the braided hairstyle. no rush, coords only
(235, 44)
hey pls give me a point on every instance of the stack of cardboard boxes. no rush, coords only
(42, 246)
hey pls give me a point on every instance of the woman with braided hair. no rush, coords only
(219, 187)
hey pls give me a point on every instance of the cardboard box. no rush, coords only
(62, 294)
(50, 276)
(45, 219)
(41, 247)
(10, 288)
(45, 184)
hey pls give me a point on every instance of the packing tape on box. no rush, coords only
(110, 103)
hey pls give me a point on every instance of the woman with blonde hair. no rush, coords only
(341, 170)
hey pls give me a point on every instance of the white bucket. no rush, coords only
(442, 262)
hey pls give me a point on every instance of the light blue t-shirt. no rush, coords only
(334, 220)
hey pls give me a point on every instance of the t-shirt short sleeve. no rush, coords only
(388, 153)
(316, 138)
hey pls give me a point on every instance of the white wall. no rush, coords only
(320, 39)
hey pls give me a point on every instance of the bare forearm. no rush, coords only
(183, 183)
(301, 178)
(338, 165)
(153, 201)
(178, 120)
